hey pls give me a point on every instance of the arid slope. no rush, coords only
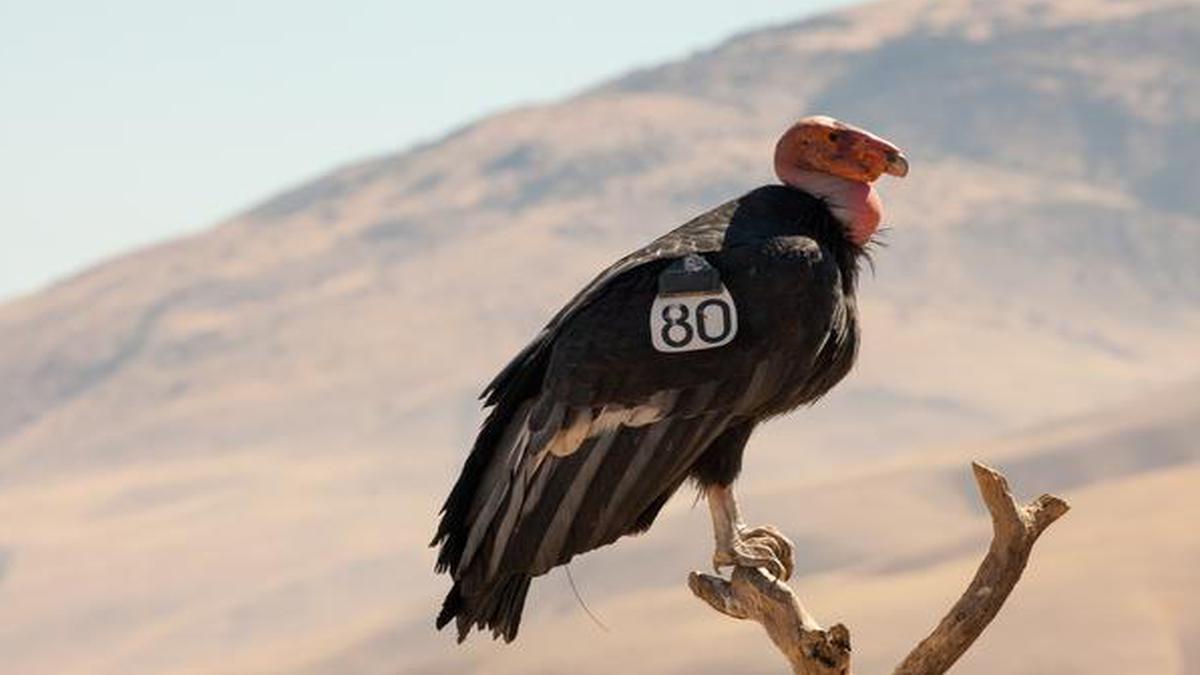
(225, 453)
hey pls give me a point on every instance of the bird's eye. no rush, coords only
(833, 136)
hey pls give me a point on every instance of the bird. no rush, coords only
(658, 372)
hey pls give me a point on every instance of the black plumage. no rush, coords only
(592, 430)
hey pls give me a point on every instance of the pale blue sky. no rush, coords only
(130, 121)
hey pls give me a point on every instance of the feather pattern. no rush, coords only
(592, 430)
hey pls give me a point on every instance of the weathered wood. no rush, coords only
(1015, 528)
(811, 650)
(751, 594)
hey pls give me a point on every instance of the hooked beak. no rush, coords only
(897, 164)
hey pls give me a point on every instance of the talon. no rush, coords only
(756, 552)
(782, 548)
(762, 548)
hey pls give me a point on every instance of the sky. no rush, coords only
(132, 121)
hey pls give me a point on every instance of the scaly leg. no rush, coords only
(762, 547)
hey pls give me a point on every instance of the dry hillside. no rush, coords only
(225, 453)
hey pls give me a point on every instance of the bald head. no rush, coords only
(838, 162)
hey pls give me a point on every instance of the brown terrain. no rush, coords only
(225, 453)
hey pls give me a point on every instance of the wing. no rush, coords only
(521, 380)
(616, 425)
(591, 429)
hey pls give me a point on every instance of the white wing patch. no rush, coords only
(583, 425)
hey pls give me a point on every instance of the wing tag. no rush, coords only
(693, 310)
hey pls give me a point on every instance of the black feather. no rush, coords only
(791, 271)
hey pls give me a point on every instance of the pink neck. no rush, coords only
(855, 204)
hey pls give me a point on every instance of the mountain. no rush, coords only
(225, 453)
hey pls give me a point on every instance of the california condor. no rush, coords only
(659, 371)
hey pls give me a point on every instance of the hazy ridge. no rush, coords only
(224, 453)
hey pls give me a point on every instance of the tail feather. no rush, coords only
(498, 608)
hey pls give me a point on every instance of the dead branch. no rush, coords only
(751, 594)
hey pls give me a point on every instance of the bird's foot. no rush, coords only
(764, 547)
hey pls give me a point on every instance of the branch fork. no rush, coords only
(751, 594)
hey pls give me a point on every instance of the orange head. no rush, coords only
(824, 145)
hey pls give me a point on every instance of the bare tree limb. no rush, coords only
(751, 594)
(1014, 530)
(811, 650)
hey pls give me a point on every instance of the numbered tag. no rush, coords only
(694, 321)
